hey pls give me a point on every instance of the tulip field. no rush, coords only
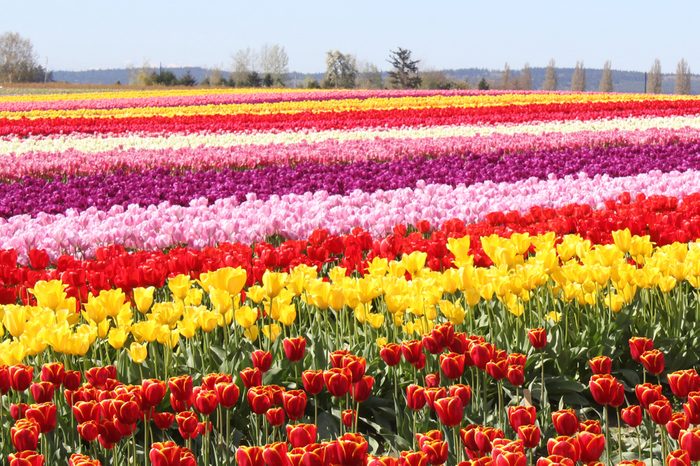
(349, 278)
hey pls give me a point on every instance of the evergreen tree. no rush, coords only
(654, 78)
(578, 78)
(606, 83)
(682, 78)
(405, 72)
(550, 77)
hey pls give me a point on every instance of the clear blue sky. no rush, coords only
(88, 34)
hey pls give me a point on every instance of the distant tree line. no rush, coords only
(269, 67)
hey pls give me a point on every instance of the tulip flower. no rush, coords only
(590, 425)
(606, 390)
(677, 423)
(530, 434)
(300, 435)
(683, 382)
(555, 460)
(337, 381)
(600, 365)
(463, 392)
(152, 392)
(25, 458)
(632, 415)
(249, 456)
(452, 365)
(521, 416)
(537, 337)
(689, 440)
(362, 389)
(647, 393)
(592, 446)
(449, 410)
(251, 377)
(565, 422)
(638, 346)
(436, 450)
(347, 417)
(44, 414)
(25, 434)
(653, 361)
(351, 450)
(660, 411)
(262, 360)
(313, 381)
(390, 354)
(565, 446)
(294, 402)
(294, 348)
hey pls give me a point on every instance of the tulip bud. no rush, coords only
(537, 337)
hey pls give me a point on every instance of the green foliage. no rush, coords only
(484, 85)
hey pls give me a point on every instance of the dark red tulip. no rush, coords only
(206, 401)
(88, 431)
(275, 416)
(347, 417)
(653, 361)
(71, 380)
(338, 381)
(415, 397)
(676, 424)
(251, 377)
(432, 380)
(53, 372)
(689, 440)
(592, 446)
(434, 345)
(530, 434)
(647, 393)
(516, 375)
(678, 457)
(312, 381)
(632, 415)
(259, 399)
(5, 383)
(600, 365)
(638, 345)
(660, 411)
(362, 389)
(18, 410)
(565, 422)
(412, 351)
(188, 424)
(336, 357)
(565, 446)
(300, 435)
(181, 387)
(294, 402)
(227, 394)
(294, 348)
(437, 451)
(450, 410)
(590, 425)
(452, 365)
(464, 392)
(20, 377)
(163, 420)
(606, 390)
(521, 416)
(152, 392)
(481, 354)
(261, 360)
(25, 434)
(42, 392)
(249, 456)
(351, 450)
(44, 414)
(683, 382)
(390, 354)
(537, 337)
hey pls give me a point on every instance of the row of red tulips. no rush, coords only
(353, 119)
(665, 219)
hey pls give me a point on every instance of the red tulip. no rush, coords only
(294, 402)
(251, 377)
(600, 365)
(18, 411)
(497, 369)
(227, 394)
(356, 365)
(42, 392)
(187, 424)
(653, 361)
(433, 344)
(590, 425)
(517, 359)
(436, 450)
(565, 446)
(77, 459)
(5, 383)
(152, 392)
(165, 454)
(25, 458)
(249, 456)
(412, 351)
(351, 450)
(678, 458)
(382, 461)
(25, 434)
(312, 381)
(337, 381)
(206, 401)
(689, 440)
(432, 380)
(261, 360)
(537, 337)
(452, 365)
(415, 397)
(485, 436)
(638, 345)
(275, 416)
(20, 377)
(692, 407)
(606, 390)
(347, 417)
(683, 382)
(390, 354)
(468, 436)
(413, 458)
(275, 454)
(209, 381)
(88, 430)
(434, 434)
(481, 354)
(592, 446)
(45, 416)
(300, 435)
(99, 376)
(71, 380)
(294, 348)
(565, 422)
(163, 420)
(259, 399)
(678, 422)
(53, 372)
(181, 387)
(449, 410)
(433, 394)
(554, 460)
(647, 393)
(362, 389)
(86, 411)
(632, 415)
(511, 459)
(336, 357)
(516, 375)
(521, 416)
(530, 434)
(464, 392)
(660, 411)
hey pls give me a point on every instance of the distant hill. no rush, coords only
(623, 81)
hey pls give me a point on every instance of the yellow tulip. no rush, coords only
(454, 312)
(414, 262)
(138, 352)
(256, 293)
(375, 320)
(251, 333)
(378, 267)
(209, 320)
(273, 282)
(117, 337)
(246, 316)
(381, 341)
(194, 297)
(187, 327)
(228, 279)
(337, 274)
(220, 300)
(15, 319)
(103, 328)
(459, 247)
(288, 314)
(272, 331)
(179, 285)
(49, 294)
(143, 298)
